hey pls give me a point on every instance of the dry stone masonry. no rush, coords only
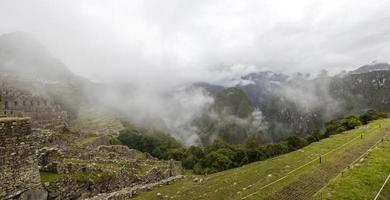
(19, 173)
(15, 102)
(42, 158)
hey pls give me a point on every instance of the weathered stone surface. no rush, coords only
(125, 176)
(19, 173)
(174, 168)
(15, 102)
(120, 151)
(129, 192)
(34, 194)
(49, 159)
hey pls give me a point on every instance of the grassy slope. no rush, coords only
(240, 182)
(364, 180)
(385, 194)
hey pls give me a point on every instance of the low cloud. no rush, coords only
(170, 110)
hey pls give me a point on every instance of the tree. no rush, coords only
(315, 136)
(217, 161)
(295, 142)
(371, 115)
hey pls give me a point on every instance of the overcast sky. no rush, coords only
(145, 39)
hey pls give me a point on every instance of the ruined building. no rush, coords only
(19, 172)
(16, 102)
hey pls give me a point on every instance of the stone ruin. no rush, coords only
(16, 102)
(19, 172)
(113, 151)
(31, 143)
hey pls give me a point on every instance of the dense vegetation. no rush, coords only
(298, 104)
(220, 155)
(233, 101)
(231, 119)
(152, 141)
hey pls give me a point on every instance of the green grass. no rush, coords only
(385, 194)
(84, 141)
(79, 176)
(364, 180)
(242, 181)
(51, 177)
(139, 155)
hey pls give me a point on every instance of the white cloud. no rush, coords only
(140, 39)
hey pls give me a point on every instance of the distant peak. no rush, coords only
(20, 35)
(373, 66)
(22, 40)
(375, 62)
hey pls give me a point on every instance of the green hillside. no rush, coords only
(365, 179)
(229, 119)
(233, 101)
(296, 175)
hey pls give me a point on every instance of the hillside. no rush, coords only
(365, 179)
(296, 175)
(299, 104)
(23, 55)
(231, 118)
(363, 90)
(374, 66)
(233, 101)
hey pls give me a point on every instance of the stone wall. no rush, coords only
(19, 173)
(15, 102)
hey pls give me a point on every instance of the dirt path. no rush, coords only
(309, 183)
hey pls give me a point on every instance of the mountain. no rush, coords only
(298, 105)
(363, 90)
(23, 55)
(24, 59)
(233, 101)
(261, 84)
(374, 66)
(232, 119)
(208, 87)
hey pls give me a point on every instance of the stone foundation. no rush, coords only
(19, 173)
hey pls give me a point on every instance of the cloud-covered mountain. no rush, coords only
(299, 104)
(265, 105)
(22, 55)
(374, 66)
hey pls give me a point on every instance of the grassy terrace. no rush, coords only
(277, 178)
(364, 180)
(80, 176)
(84, 141)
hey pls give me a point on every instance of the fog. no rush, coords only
(110, 40)
(157, 48)
(171, 110)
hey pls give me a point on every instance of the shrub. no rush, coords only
(341, 124)
(371, 115)
(157, 143)
(295, 142)
(315, 136)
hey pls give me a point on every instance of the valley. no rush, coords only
(194, 100)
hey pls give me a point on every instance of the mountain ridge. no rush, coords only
(23, 55)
